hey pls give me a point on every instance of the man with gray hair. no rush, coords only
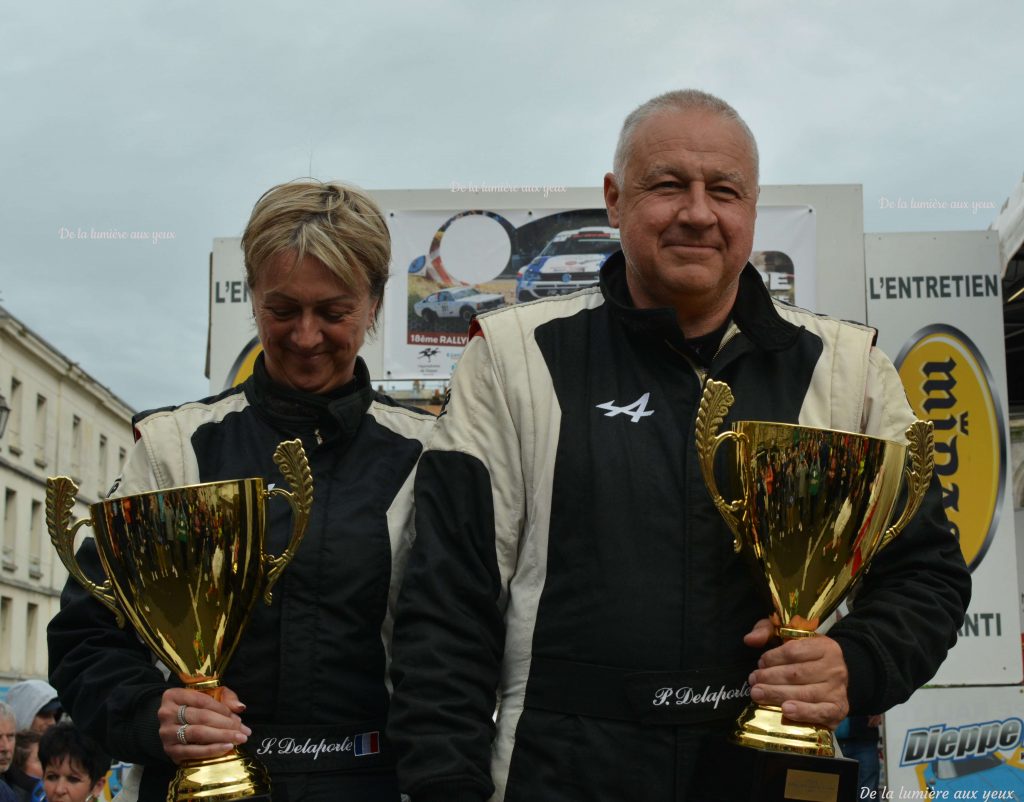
(8, 728)
(569, 562)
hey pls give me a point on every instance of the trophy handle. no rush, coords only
(918, 473)
(290, 457)
(714, 404)
(60, 500)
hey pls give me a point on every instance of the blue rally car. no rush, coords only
(569, 262)
(971, 778)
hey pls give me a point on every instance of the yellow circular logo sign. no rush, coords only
(242, 367)
(949, 384)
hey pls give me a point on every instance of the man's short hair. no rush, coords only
(7, 713)
(678, 100)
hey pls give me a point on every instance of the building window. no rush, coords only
(40, 431)
(101, 466)
(35, 542)
(5, 633)
(14, 421)
(76, 448)
(10, 529)
(31, 638)
(121, 454)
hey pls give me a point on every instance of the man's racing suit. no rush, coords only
(568, 552)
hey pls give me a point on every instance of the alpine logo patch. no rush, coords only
(637, 410)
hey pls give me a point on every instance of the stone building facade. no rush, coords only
(62, 423)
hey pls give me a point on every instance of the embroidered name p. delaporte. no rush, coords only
(694, 696)
(689, 695)
(669, 697)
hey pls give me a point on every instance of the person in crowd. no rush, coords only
(858, 738)
(313, 664)
(8, 728)
(35, 703)
(26, 771)
(26, 753)
(569, 560)
(74, 765)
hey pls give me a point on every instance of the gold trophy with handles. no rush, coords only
(811, 508)
(186, 566)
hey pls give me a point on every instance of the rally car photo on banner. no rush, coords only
(461, 263)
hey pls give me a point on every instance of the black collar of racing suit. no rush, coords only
(753, 311)
(335, 414)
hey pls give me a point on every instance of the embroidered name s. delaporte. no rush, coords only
(361, 745)
(291, 746)
(690, 696)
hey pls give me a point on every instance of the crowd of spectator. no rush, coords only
(42, 757)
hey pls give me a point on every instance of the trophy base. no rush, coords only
(788, 777)
(765, 728)
(220, 779)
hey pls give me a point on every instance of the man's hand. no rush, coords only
(806, 677)
(213, 727)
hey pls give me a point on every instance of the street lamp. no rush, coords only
(5, 413)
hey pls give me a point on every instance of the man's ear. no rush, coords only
(611, 199)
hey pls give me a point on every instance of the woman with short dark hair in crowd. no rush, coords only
(74, 765)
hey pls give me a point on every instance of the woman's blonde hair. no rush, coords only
(338, 225)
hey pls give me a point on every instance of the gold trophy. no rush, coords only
(186, 565)
(811, 509)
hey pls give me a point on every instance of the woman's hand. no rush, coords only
(210, 727)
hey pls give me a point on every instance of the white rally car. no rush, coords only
(461, 302)
(570, 262)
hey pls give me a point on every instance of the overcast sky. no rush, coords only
(175, 116)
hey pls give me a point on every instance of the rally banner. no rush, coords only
(450, 265)
(936, 301)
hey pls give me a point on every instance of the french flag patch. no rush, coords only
(366, 743)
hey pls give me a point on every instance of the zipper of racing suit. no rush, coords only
(702, 374)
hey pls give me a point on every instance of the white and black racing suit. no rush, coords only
(310, 667)
(569, 557)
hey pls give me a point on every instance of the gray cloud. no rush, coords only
(175, 117)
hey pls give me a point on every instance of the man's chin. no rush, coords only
(693, 280)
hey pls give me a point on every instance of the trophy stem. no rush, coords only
(228, 777)
(231, 776)
(764, 727)
(790, 633)
(211, 687)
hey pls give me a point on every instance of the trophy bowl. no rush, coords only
(812, 507)
(185, 566)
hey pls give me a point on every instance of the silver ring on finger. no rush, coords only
(181, 715)
(182, 739)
